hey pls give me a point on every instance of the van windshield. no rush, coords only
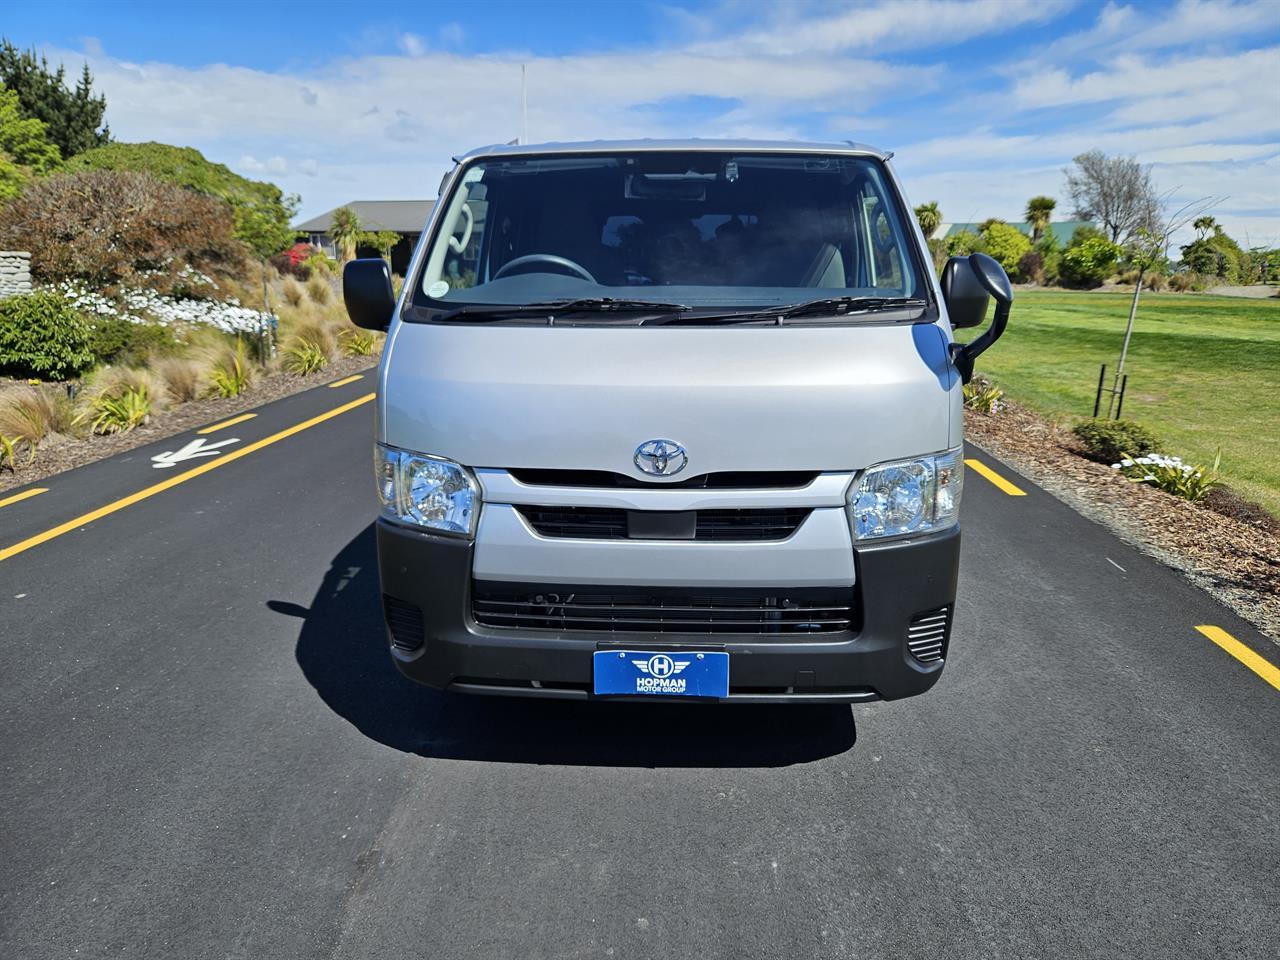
(700, 229)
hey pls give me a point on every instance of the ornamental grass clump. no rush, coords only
(231, 373)
(983, 396)
(304, 357)
(357, 343)
(1188, 481)
(122, 412)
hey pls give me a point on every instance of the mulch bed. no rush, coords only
(57, 452)
(1227, 546)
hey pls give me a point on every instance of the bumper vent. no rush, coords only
(404, 621)
(814, 610)
(927, 635)
(605, 523)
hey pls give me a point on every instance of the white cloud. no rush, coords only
(385, 125)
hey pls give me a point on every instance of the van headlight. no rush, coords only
(426, 491)
(907, 496)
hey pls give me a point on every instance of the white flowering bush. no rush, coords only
(142, 305)
(1189, 481)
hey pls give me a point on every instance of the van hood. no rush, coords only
(737, 398)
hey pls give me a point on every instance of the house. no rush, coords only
(405, 217)
(1062, 229)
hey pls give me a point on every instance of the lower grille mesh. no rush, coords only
(928, 633)
(815, 610)
(404, 621)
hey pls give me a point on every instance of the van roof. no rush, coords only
(634, 146)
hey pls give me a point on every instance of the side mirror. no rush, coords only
(367, 292)
(967, 284)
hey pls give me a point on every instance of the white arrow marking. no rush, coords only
(199, 447)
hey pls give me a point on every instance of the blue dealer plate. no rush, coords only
(649, 674)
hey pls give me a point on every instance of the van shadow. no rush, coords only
(343, 653)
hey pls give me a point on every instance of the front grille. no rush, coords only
(606, 523)
(927, 634)
(810, 610)
(404, 621)
(724, 480)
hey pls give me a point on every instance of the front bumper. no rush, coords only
(896, 581)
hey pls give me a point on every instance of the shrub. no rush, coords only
(108, 227)
(121, 413)
(1182, 282)
(31, 413)
(293, 292)
(1031, 267)
(304, 357)
(319, 291)
(1109, 440)
(982, 395)
(1005, 244)
(261, 212)
(43, 335)
(357, 343)
(319, 262)
(117, 340)
(1089, 263)
(182, 379)
(290, 266)
(1170, 474)
(231, 373)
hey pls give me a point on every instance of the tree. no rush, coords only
(346, 232)
(73, 118)
(1039, 212)
(25, 150)
(119, 227)
(382, 241)
(1204, 226)
(262, 211)
(1115, 191)
(930, 218)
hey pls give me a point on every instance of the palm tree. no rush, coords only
(1204, 226)
(930, 218)
(346, 232)
(1039, 211)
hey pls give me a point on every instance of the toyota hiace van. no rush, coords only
(673, 420)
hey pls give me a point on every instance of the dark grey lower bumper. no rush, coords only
(895, 582)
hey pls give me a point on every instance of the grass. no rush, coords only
(1204, 373)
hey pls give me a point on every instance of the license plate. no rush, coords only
(654, 674)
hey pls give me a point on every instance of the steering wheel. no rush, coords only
(550, 259)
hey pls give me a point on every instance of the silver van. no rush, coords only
(675, 420)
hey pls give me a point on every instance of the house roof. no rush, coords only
(403, 216)
(1062, 229)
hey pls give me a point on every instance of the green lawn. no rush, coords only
(1204, 372)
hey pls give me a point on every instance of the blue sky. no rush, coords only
(984, 101)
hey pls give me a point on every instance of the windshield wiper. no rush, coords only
(835, 306)
(481, 312)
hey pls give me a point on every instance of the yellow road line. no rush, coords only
(228, 423)
(24, 495)
(1259, 665)
(983, 470)
(173, 481)
(345, 380)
